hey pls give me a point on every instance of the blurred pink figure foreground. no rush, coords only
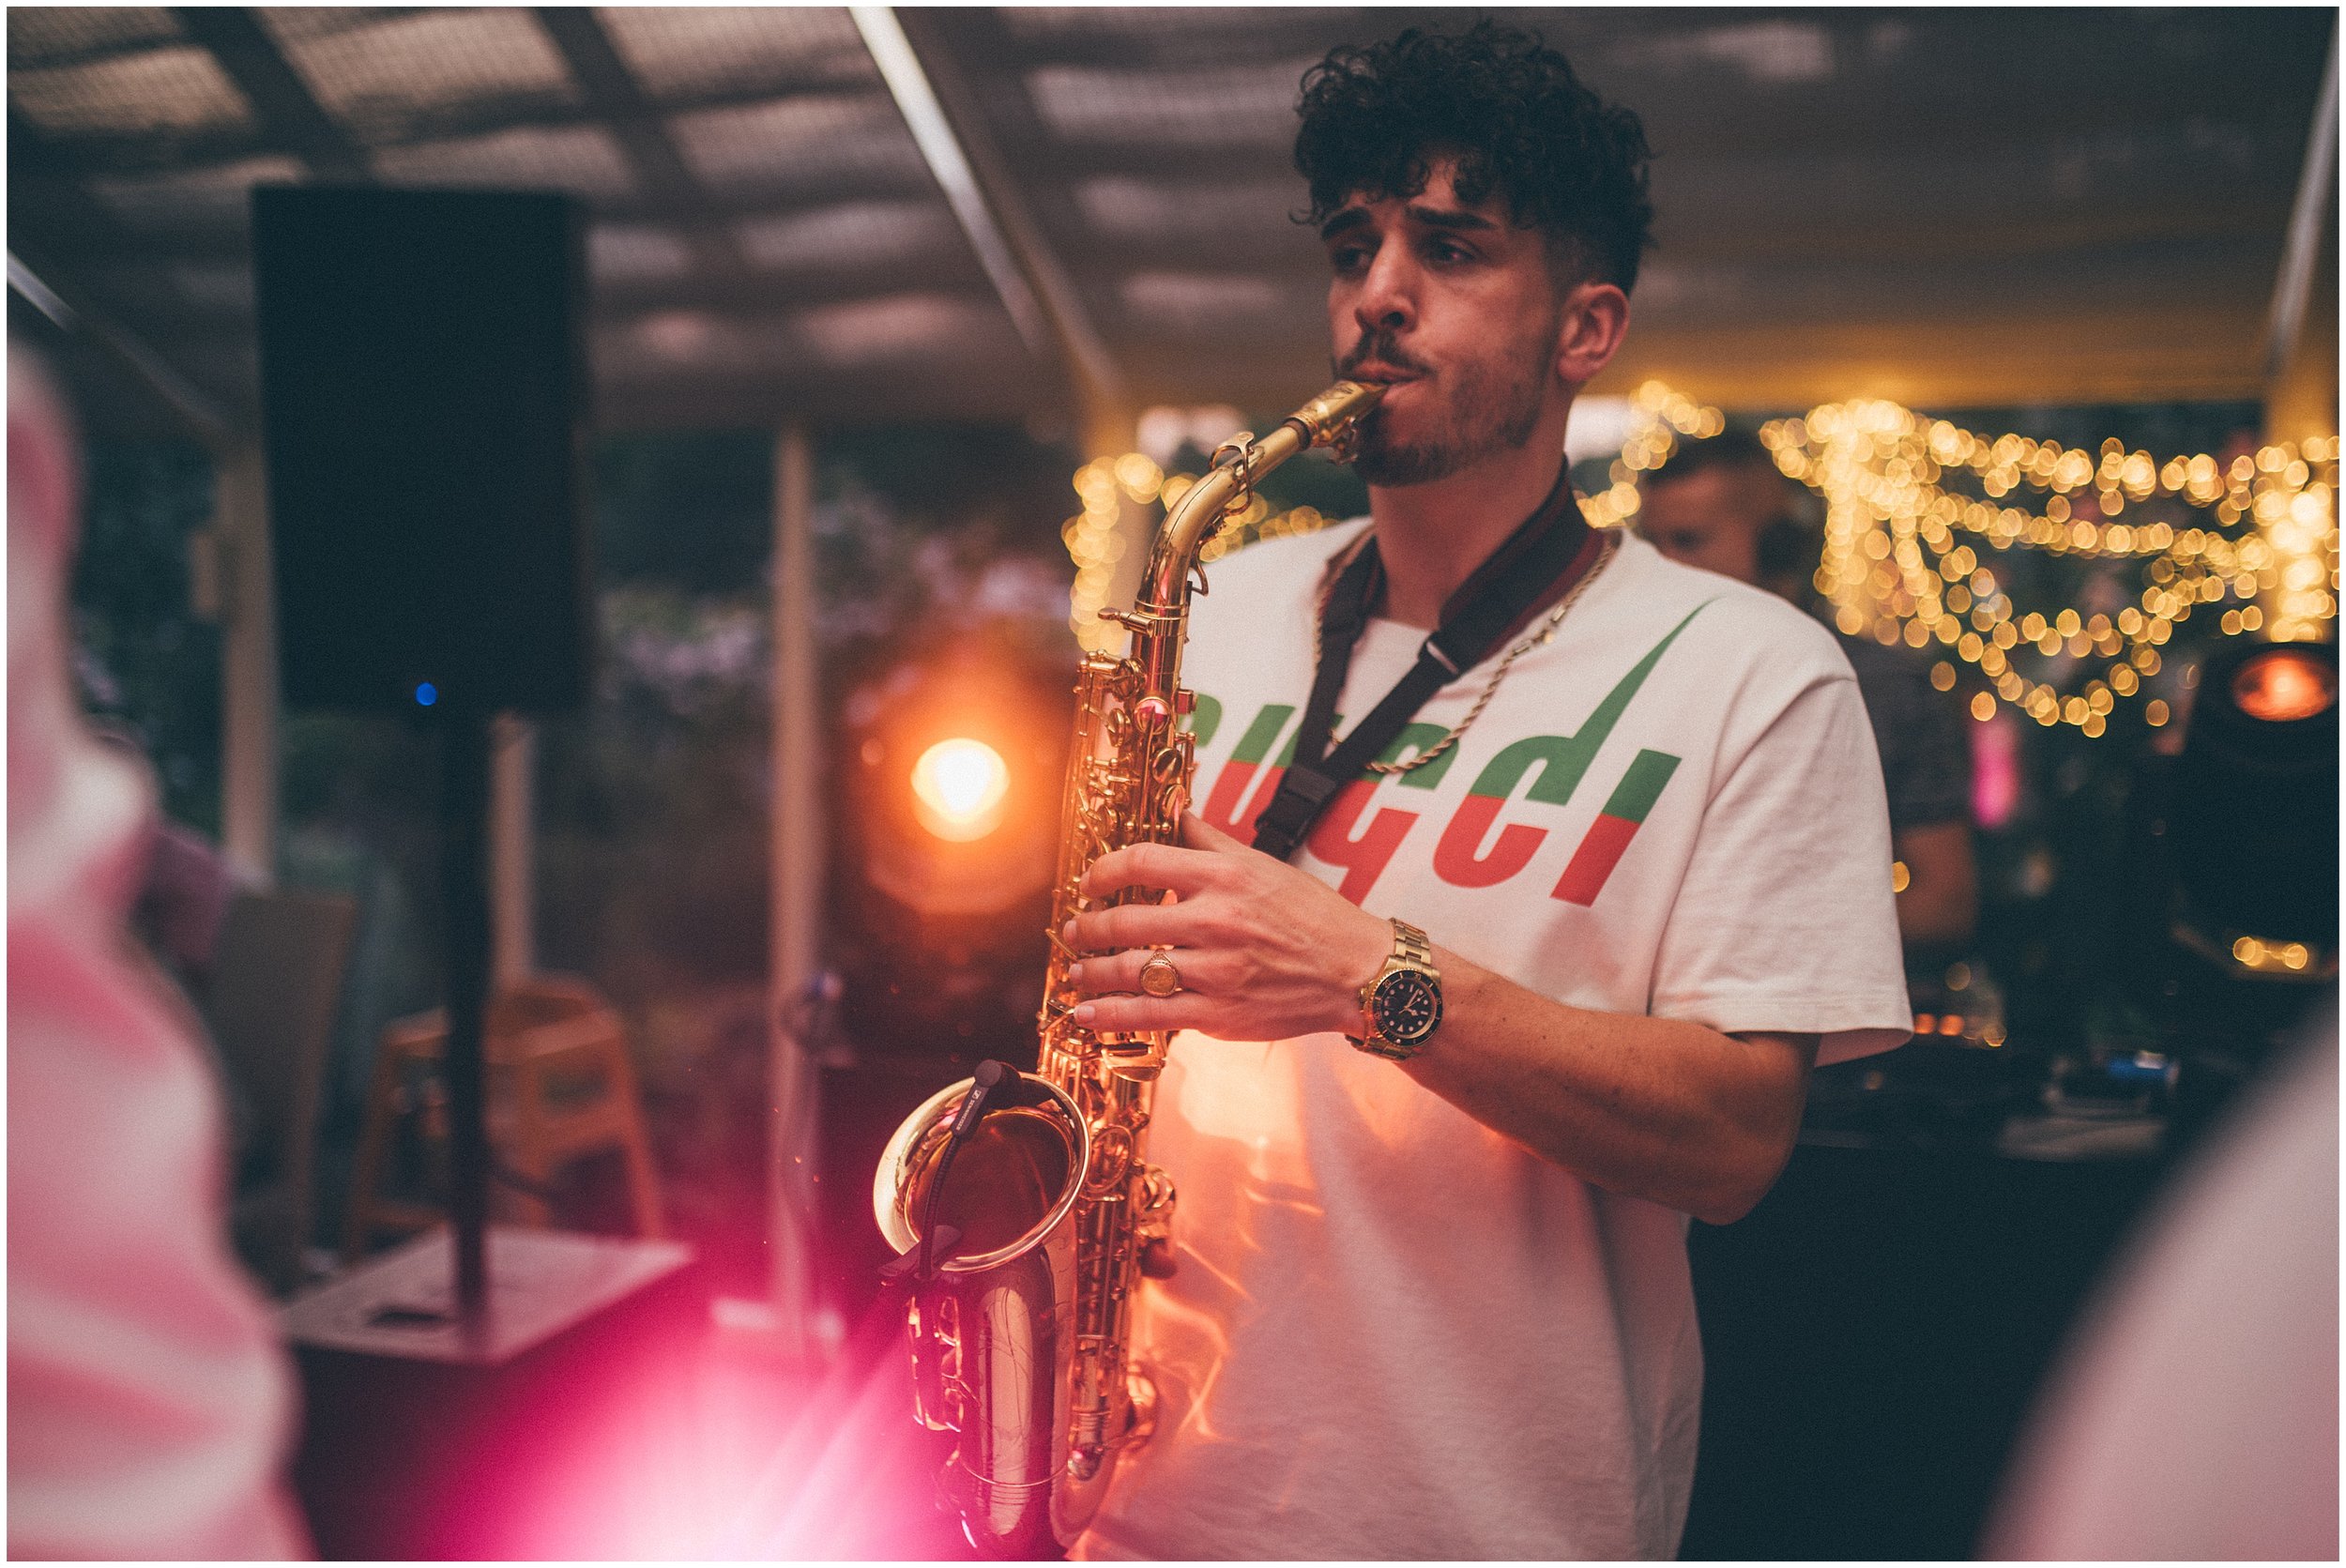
(149, 1403)
(2196, 1418)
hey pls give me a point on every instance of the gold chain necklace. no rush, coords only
(1610, 544)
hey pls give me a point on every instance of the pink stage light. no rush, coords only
(1995, 770)
(741, 1455)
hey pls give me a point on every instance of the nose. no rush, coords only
(1387, 302)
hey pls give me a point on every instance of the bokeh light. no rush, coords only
(959, 789)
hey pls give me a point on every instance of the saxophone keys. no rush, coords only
(1140, 1408)
(1156, 1196)
(1111, 1158)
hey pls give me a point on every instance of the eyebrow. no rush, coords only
(1431, 217)
(1449, 218)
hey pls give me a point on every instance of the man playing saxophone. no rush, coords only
(1493, 1018)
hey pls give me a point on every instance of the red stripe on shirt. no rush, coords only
(1594, 861)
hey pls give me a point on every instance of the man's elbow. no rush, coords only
(1728, 1205)
(1739, 1184)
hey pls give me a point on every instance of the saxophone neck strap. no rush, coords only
(1541, 560)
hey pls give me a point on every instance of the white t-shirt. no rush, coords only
(1395, 1333)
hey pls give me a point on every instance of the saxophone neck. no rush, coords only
(1329, 419)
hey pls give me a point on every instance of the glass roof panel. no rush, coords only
(849, 234)
(1236, 106)
(583, 159)
(199, 200)
(772, 146)
(52, 35)
(698, 342)
(688, 52)
(394, 74)
(636, 253)
(1118, 206)
(1144, 25)
(905, 326)
(1199, 299)
(303, 23)
(175, 89)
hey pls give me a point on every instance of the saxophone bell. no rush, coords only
(998, 1204)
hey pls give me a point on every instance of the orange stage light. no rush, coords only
(2283, 685)
(959, 789)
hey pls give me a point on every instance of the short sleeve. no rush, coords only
(1785, 921)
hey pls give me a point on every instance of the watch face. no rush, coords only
(1406, 1005)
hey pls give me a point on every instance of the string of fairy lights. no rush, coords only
(1921, 519)
(1912, 554)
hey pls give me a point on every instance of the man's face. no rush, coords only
(1456, 308)
(1714, 518)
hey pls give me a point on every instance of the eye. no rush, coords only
(1442, 249)
(1348, 258)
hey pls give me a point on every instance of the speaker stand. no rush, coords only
(466, 921)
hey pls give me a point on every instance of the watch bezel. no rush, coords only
(1405, 977)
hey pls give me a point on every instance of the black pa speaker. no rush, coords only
(423, 389)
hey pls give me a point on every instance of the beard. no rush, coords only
(1493, 407)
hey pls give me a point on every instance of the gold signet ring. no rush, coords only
(1159, 978)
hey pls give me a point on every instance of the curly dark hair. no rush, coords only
(1513, 113)
(1729, 449)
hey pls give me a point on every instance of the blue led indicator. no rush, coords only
(426, 694)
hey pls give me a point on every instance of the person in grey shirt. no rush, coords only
(1721, 504)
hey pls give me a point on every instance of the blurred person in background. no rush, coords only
(149, 1403)
(1722, 505)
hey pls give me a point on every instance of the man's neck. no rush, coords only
(1432, 536)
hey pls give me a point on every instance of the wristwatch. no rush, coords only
(1402, 1001)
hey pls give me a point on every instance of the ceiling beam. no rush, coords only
(750, 295)
(51, 216)
(74, 314)
(682, 213)
(291, 119)
(177, 152)
(945, 120)
(2317, 190)
(612, 97)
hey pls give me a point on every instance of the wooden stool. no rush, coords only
(545, 1040)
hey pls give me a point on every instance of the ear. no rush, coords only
(1593, 321)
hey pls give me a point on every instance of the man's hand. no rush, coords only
(1265, 952)
(1658, 1109)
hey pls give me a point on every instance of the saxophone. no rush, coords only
(1023, 1207)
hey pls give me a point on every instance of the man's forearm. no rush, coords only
(1657, 1108)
